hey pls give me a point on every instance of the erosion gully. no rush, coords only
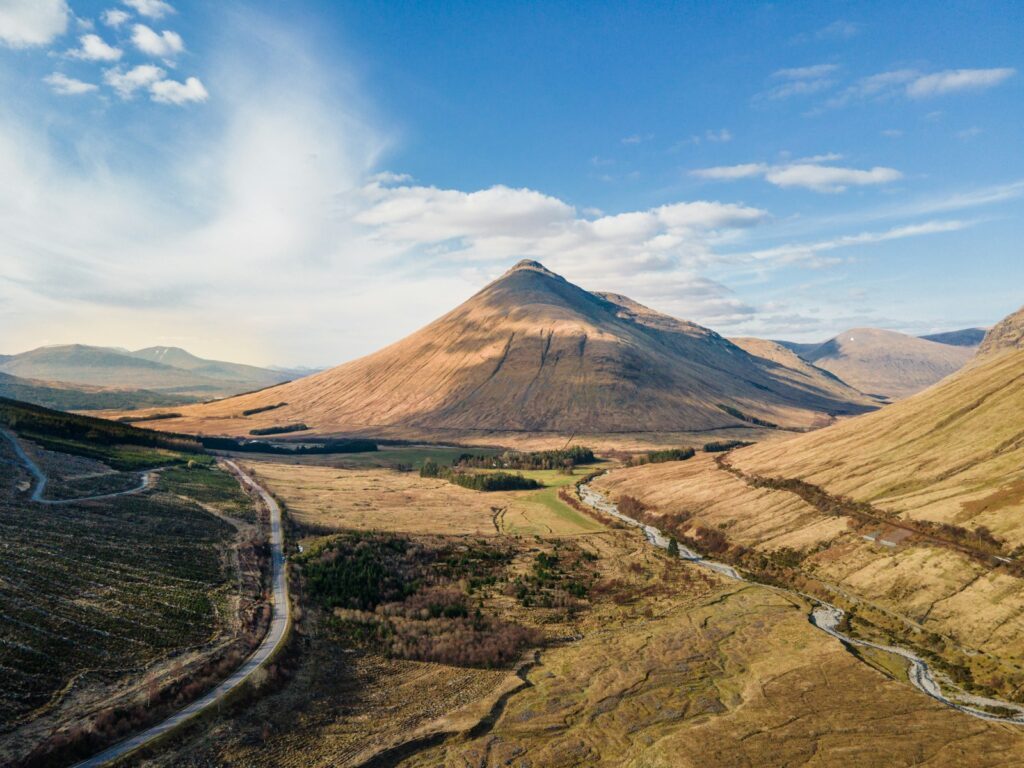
(823, 616)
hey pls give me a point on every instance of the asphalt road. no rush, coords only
(271, 642)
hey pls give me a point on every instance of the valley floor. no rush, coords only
(631, 658)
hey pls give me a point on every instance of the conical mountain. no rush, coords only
(533, 353)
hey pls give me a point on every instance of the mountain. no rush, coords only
(799, 371)
(954, 452)
(211, 369)
(967, 337)
(532, 353)
(798, 347)
(82, 397)
(887, 363)
(1005, 336)
(166, 370)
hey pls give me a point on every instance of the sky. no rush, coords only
(302, 183)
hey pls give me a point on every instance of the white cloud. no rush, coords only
(802, 251)
(805, 73)
(638, 138)
(164, 44)
(892, 133)
(25, 23)
(825, 178)
(173, 92)
(720, 136)
(113, 17)
(800, 81)
(154, 9)
(839, 29)
(127, 83)
(901, 83)
(808, 173)
(952, 80)
(67, 86)
(94, 48)
(731, 172)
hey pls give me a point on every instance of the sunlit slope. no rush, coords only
(532, 352)
(954, 452)
(887, 363)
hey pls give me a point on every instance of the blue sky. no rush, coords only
(303, 182)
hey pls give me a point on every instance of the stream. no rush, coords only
(823, 616)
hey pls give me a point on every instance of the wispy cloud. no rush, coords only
(953, 80)
(114, 17)
(800, 81)
(808, 173)
(67, 86)
(792, 252)
(911, 83)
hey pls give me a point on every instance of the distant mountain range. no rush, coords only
(533, 354)
(79, 377)
(890, 364)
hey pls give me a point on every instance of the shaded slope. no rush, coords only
(886, 363)
(530, 353)
(966, 337)
(799, 372)
(82, 397)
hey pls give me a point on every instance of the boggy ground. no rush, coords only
(658, 663)
(964, 612)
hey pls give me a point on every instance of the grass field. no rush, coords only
(323, 498)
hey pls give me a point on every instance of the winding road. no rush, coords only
(145, 483)
(272, 641)
(825, 617)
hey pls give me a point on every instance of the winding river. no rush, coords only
(825, 617)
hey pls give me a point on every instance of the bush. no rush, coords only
(671, 454)
(279, 429)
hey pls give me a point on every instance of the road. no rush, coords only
(825, 617)
(273, 640)
(41, 479)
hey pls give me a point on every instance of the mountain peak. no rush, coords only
(532, 266)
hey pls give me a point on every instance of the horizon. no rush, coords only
(178, 175)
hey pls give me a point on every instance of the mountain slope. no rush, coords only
(799, 371)
(82, 397)
(967, 337)
(533, 353)
(887, 363)
(219, 370)
(162, 369)
(953, 453)
(1005, 336)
